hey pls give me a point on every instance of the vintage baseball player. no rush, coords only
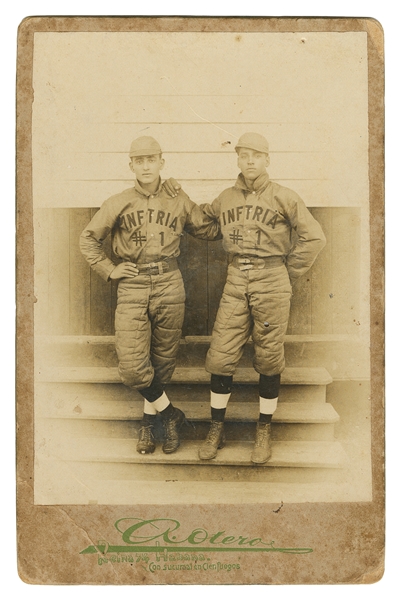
(271, 239)
(146, 229)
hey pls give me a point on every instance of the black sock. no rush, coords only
(148, 419)
(168, 412)
(265, 418)
(221, 384)
(218, 414)
(269, 386)
(154, 391)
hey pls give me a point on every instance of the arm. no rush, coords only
(203, 221)
(310, 239)
(91, 244)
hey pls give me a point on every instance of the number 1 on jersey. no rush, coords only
(162, 238)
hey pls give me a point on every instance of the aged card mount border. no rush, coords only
(49, 536)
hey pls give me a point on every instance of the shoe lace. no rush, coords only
(262, 435)
(146, 433)
(214, 432)
(170, 429)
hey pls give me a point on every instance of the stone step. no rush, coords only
(246, 392)
(192, 430)
(292, 421)
(342, 355)
(284, 454)
(110, 410)
(59, 392)
(134, 483)
(318, 376)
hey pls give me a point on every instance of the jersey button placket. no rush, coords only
(150, 228)
(144, 229)
(247, 217)
(252, 231)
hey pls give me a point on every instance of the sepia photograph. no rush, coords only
(202, 218)
(275, 150)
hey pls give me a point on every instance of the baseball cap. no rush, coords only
(144, 146)
(253, 141)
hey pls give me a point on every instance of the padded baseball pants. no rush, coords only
(254, 303)
(148, 327)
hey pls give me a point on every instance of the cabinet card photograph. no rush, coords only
(200, 300)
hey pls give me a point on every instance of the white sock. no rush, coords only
(219, 400)
(268, 405)
(161, 403)
(149, 408)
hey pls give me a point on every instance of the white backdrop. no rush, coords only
(197, 93)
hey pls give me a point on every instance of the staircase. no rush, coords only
(87, 421)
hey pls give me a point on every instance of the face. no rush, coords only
(252, 163)
(147, 168)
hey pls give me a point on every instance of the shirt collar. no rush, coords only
(146, 193)
(259, 184)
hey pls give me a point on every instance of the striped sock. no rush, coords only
(161, 403)
(267, 409)
(149, 408)
(219, 403)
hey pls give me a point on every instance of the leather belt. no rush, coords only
(245, 263)
(158, 268)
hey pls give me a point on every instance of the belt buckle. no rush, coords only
(261, 264)
(246, 265)
(157, 268)
(252, 262)
(152, 269)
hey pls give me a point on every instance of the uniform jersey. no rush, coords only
(270, 220)
(144, 227)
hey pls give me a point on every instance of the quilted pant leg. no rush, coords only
(269, 297)
(166, 311)
(148, 327)
(133, 332)
(232, 325)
